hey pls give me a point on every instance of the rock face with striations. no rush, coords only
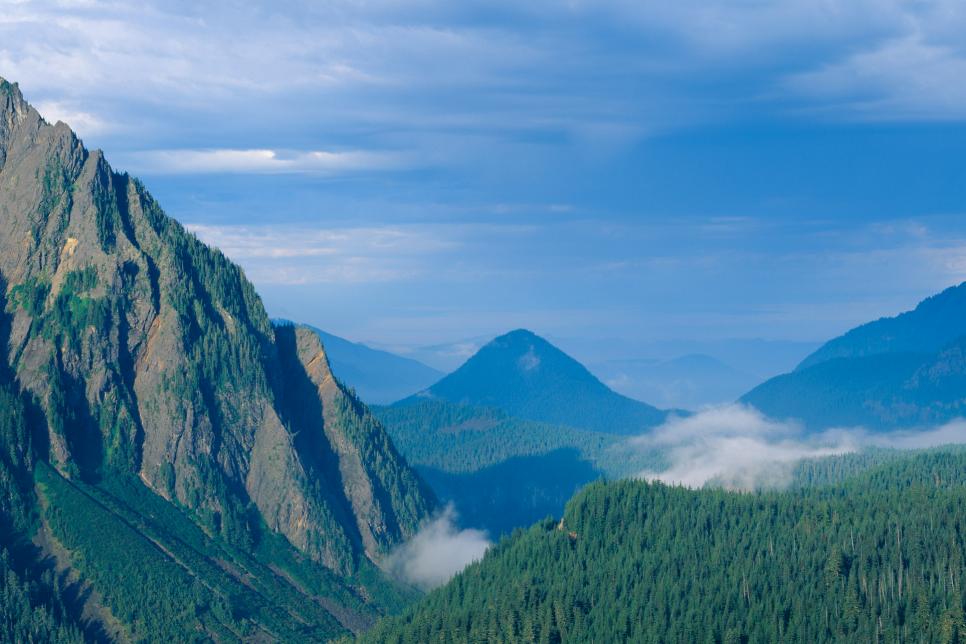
(147, 352)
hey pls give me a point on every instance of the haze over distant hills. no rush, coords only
(527, 377)
(903, 371)
(687, 374)
(379, 377)
(690, 381)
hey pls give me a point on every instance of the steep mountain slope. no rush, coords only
(904, 371)
(935, 322)
(142, 354)
(871, 559)
(527, 377)
(379, 377)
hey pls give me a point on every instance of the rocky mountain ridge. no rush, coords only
(142, 351)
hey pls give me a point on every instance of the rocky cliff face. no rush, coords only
(147, 352)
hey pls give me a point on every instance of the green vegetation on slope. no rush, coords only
(165, 579)
(934, 323)
(503, 472)
(463, 438)
(907, 371)
(877, 558)
(32, 608)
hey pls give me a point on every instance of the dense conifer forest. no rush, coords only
(878, 557)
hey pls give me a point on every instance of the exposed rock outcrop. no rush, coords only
(148, 352)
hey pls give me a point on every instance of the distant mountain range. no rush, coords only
(378, 377)
(904, 371)
(686, 374)
(690, 381)
(527, 377)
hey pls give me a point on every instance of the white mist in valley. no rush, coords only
(437, 552)
(738, 447)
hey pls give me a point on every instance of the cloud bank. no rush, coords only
(437, 552)
(738, 447)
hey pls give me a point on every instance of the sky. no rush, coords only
(613, 172)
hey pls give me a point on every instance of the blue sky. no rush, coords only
(408, 173)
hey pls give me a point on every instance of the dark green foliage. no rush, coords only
(165, 580)
(408, 496)
(16, 494)
(503, 472)
(30, 295)
(31, 607)
(877, 558)
(834, 470)
(465, 438)
(514, 493)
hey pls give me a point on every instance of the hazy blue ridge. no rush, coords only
(527, 377)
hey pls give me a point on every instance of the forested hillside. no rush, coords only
(878, 557)
(934, 323)
(503, 472)
(903, 372)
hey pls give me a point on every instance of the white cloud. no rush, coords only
(736, 446)
(906, 79)
(437, 552)
(81, 122)
(429, 68)
(280, 254)
(230, 161)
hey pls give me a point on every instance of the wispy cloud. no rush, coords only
(286, 254)
(907, 78)
(737, 447)
(437, 552)
(229, 161)
(734, 445)
(83, 123)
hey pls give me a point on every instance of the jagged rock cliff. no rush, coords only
(145, 351)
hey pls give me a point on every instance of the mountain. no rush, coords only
(145, 378)
(865, 559)
(379, 377)
(934, 323)
(527, 377)
(905, 371)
